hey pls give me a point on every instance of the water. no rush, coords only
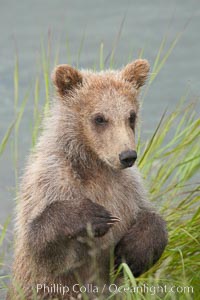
(23, 24)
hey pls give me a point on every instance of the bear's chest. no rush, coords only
(117, 195)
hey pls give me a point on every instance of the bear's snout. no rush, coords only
(127, 158)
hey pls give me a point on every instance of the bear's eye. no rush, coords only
(132, 119)
(100, 120)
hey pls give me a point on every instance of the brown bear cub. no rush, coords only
(81, 195)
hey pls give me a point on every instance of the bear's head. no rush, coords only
(99, 112)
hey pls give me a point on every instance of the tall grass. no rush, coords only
(169, 161)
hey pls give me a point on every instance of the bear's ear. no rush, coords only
(136, 72)
(65, 79)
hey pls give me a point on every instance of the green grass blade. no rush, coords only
(4, 229)
(6, 137)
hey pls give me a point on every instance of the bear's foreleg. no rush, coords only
(61, 221)
(143, 244)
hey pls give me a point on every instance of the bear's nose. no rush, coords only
(127, 158)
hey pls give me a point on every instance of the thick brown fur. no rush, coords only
(76, 200)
